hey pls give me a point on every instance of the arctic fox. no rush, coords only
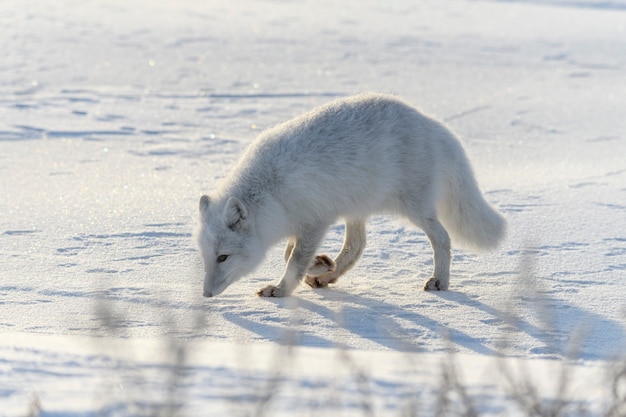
(348, 159)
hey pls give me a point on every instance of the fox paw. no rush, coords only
(322, 265)
(320, 281)
(435, 283)
(320, 274)
(271, 291)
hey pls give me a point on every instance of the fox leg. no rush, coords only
(353, 245)
(440, 242)
(424, 216)
(321, 264)
(289, 249)
(300, 260)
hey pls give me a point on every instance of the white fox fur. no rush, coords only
(349, 159)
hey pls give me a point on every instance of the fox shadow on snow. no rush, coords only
(380, 322)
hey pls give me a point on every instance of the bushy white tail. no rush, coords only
(469, 219)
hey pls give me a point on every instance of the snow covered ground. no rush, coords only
(115, 116)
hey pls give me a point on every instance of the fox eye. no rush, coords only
(222, 258)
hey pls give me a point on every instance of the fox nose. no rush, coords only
(207, 294)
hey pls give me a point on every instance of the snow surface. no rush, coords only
(115, 116)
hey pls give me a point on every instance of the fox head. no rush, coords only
(228, 242)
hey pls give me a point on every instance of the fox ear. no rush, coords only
(236, 213)
(205, 200)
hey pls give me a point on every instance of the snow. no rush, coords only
(116, 116)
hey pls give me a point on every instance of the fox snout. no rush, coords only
(208, 289)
